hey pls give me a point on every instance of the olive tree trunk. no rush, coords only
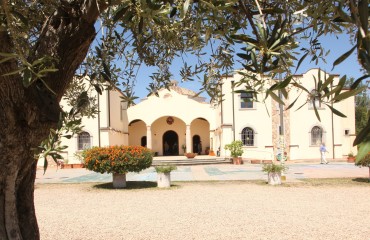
(27, 114)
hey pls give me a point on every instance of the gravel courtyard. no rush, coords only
(204, 210)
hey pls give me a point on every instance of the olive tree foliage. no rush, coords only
(267, 37)
(44, 44)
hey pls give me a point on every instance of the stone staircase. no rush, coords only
(182, 160)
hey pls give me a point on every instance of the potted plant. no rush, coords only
(364, 162)
(164, 175)
(274, 172)
(351, 158)
(236, 150)
(183, 148)
(118, 160)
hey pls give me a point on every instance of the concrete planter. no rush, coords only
(164, 180)
(274, 178)
(119, 180)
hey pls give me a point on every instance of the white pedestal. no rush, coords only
(274, 178)
(119, 180)
(164, 180)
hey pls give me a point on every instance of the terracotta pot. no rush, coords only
(77, 165)
(190, 155)
(237, 160)
(64, 166)
(351, 159)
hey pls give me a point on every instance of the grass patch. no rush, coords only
(336, 181)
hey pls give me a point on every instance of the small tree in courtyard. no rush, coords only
(118, 160)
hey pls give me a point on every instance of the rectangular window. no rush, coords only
(122, 108)
(246, 100)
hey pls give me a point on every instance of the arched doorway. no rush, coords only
(196, 141)
(143, 141)
(170, 143)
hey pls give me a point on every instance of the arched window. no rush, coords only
(316, 136)
(84, 141)
(248, 136)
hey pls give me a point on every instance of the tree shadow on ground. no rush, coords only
(362, 180)
(129, 185)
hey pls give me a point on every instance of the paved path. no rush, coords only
(218, 172)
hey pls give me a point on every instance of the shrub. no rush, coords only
(165, 168)
(118, 159)
(274, 168)
(236, 148)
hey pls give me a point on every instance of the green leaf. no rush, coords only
(244, 56)
(358, 81)
(173, 12)
(141, 25)
(326, 82)
(343, 57)
(68, 136)
(301, 60)
(121, 10)
(14, 72)
(363, 134)
(316, 112)
(348, 94)
(335, 111)
(45, 164)
(185, 9)
(4, 54)
(292, 104)
(20, 17)
(6, 59)
(363, 150)
(106, 70)
(42, 72)
(243, 38)
(275, 97)
(153, 6)
(98, 89)
(284, 83)
(27, 77)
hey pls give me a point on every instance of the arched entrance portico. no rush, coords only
(170, 143)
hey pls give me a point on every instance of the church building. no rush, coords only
(176, 122)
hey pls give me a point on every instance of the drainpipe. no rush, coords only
(108, 106)
(99, 138)
(332, 124)
(232, 88)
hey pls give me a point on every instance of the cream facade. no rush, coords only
(109, 127)
(175, 122)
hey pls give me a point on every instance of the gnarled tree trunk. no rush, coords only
(27, 114)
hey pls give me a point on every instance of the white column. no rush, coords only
(148, 137)
(188, 139)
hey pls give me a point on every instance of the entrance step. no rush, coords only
(181, 160)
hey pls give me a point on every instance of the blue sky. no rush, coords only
(337, 46)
